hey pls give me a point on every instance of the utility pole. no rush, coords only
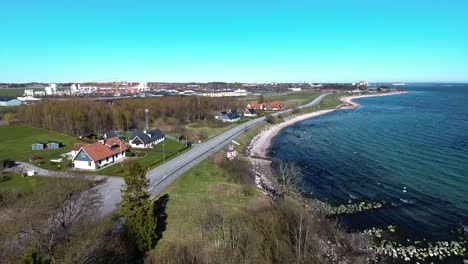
(164, 150)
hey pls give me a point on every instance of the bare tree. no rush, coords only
(287, 179)
(51, 218)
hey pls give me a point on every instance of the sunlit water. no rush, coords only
(410, 151)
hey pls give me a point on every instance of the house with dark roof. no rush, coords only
(250, 112)
(146, 139)
(107, 135)
(98, 155)
(231, 116)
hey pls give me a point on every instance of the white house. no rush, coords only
(98, 155)
(250, 112)
(146, 139)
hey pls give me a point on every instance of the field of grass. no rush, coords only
(16, 141)
(290, 99)
(20, 184)
(331, 101)
(213, 128)
(189, 197)
(149, 159)
(15, 92)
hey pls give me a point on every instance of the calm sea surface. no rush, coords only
(410, 151)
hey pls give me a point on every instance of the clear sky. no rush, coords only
(233, 40)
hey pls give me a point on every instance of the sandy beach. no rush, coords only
(258, 147)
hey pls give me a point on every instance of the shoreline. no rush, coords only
(257, 149)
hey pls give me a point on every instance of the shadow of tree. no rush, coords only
(161, 216)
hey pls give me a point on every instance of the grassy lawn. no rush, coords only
(331, 101)
(189, 196)
(23, 185)
(16, 141)
(290, 99)
(213, 128)
(147, 158)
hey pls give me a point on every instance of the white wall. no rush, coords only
(84, 165)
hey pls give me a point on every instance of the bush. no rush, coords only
(130, 154)
(271, 119)
(36, 158)
(6, 163)
(296, 111)
(140, 154)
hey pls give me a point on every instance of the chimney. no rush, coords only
(146, 119)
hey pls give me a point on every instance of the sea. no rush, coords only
(409, 150)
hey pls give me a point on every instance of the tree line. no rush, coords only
(76, 117)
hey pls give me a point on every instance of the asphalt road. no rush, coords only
(163, 175)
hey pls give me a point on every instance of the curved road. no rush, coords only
(161, 176)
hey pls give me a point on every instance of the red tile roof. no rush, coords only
(98, 151)
(78, 146)
(276, 105)
(254, 105)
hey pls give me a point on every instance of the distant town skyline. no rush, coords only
(242, 41)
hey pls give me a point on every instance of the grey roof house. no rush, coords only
(146, 139)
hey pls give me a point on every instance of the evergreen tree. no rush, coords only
(138, 209)
(261, 99)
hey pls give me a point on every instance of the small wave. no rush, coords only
(407, 201)
(352, 196)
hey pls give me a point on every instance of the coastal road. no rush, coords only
(161, 176)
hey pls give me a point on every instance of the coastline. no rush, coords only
(257, 150)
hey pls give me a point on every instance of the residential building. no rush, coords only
(271, 106)
(295, 89)
(98, 155)
(146, 139)
(250, 112)
(8, 101)
(76, 148)
(231, 116)
(29, 92)
(224, 93)
(51, 89)
(107, 135)
(252, 105)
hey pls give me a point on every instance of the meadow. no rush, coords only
(16, 141)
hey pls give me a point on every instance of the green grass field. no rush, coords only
(150, 158)
(189, 196)
(329, 102)
(212, 130)
(16, 141)
(290, 99)
(20, 184)
(15, 92)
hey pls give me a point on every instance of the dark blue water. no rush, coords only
(416, 142)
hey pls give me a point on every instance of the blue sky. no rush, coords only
(248, 41)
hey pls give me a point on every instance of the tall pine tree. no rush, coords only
(138, 209)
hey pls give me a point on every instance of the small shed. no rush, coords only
(54, 145)
(38, 146)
